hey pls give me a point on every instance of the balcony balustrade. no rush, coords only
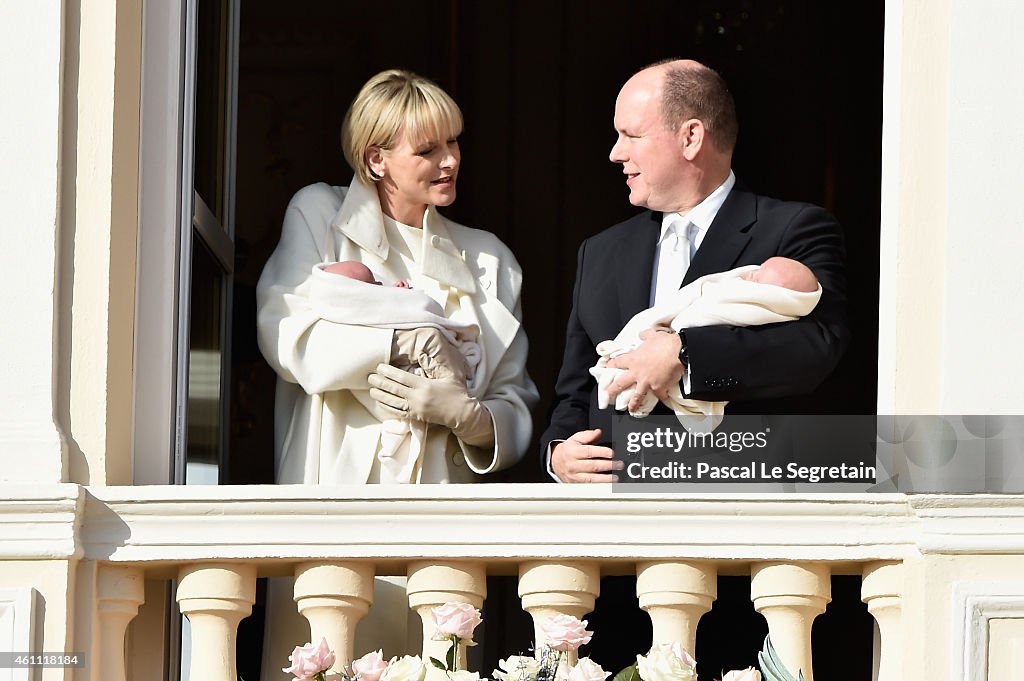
(559, 540)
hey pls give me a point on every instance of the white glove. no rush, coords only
(432, 400)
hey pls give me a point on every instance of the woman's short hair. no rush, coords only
(393, 102)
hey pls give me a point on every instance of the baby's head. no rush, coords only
(355, 270)
(786, 273)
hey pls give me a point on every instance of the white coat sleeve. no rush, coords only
(510, 395)
(303, 348)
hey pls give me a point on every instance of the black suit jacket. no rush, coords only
(748, 366)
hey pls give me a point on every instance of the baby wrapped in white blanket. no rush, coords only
(779, 290)
(358, 298)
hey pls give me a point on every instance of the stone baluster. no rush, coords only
(790, 596)
(549, 589)
(334, 597)
(119, 593)
(435, 583)
(676, 595)
(215, 597)
(882, 590)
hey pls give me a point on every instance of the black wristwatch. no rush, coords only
(684, 354)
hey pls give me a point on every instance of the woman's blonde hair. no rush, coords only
(391, 102)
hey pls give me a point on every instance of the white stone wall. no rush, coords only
(30, 125)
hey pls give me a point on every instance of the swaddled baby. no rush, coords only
(778, 290)
(365, 301)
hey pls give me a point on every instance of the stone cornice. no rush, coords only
(39, 522)
(499, 523)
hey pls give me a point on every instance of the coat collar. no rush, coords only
(637, 247)
(361, 220)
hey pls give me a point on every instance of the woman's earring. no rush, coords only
(375, 177)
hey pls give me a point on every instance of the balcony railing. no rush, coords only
(217, 540)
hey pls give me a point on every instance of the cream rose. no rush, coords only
(588, 670)
(517, 668)
(408, 668)
(663, 664)
(748, 674)
(464, 675)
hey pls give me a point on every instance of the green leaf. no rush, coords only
(630, 673)
(772, 667)
(437, 663)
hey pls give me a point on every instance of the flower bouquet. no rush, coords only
(455, 622)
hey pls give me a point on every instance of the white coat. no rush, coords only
(326, 431)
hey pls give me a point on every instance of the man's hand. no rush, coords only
(578, 460)
(652, 367)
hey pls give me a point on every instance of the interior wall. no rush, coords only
(537, 83)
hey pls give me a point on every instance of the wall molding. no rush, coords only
(974, 604)
(18, 631)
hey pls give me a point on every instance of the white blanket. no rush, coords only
(350, 301)
(720, 298)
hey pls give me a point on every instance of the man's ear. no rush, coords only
(375, 161)
(692, 136)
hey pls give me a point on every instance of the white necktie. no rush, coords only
(677, 249)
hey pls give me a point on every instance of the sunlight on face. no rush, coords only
(418, 174)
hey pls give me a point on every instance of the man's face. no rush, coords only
(650, 154)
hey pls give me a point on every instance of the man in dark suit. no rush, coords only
(676, 126)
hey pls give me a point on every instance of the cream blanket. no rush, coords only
(720, 298)
(349, 301)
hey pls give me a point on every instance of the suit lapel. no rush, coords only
(635, 264)
(727, 236)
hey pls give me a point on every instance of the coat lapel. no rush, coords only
(635, 256)
(727, 236)
(361, 220)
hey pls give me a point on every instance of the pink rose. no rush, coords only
(456, 619)
(565, 632)
(308, 661)
(677, 648)
(748, 674)
(370, 666)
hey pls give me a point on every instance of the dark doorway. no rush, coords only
(537, 82)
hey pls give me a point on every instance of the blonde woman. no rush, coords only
(335, 385)
(338, 381)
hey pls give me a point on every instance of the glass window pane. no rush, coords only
(212, 77)
(206, 352)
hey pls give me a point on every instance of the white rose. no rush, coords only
(662, 664)
(408, 668)
(588, 670)
(464, 675)
(517, 668)
(748, 674)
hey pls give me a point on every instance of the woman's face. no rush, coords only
(417, 175)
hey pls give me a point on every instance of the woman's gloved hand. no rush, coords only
(408, 346)
(433, 400)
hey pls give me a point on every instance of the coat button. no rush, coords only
(458, 459)
(435, 240)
